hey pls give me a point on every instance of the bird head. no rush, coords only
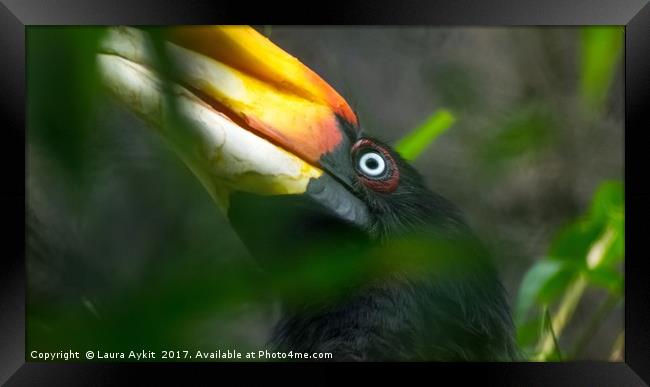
(250, 120)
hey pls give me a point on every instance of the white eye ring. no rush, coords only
(372, 164)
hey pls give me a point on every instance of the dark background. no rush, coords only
(127, 242)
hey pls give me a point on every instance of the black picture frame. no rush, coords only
(15, 15)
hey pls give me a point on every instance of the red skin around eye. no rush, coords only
(388, 185)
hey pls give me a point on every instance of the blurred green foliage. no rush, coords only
(457, 84)
(522, 133)
(601, 48)
(586, 253)
(62, 90)
(415, 142)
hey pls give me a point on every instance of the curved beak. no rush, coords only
(242, 113)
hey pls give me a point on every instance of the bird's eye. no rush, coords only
(372, 164)
(375, 166)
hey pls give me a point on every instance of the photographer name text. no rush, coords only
(146, 355)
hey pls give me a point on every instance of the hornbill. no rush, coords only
(304, 186)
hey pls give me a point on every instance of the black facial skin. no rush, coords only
(417, 284)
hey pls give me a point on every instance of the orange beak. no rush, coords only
(265, 89)
(258, 120)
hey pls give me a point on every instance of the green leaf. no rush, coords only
(586, 252)
(574, 241)
(528, 334)
(609, 207)
(536, 279)
(615, 252)
(414, 143)
(606, 213)
(607, 278)
(608, 203)
(601, 51)
(556, 286)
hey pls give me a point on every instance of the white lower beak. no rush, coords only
(223, 155)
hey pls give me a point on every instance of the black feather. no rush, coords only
(424, 287)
